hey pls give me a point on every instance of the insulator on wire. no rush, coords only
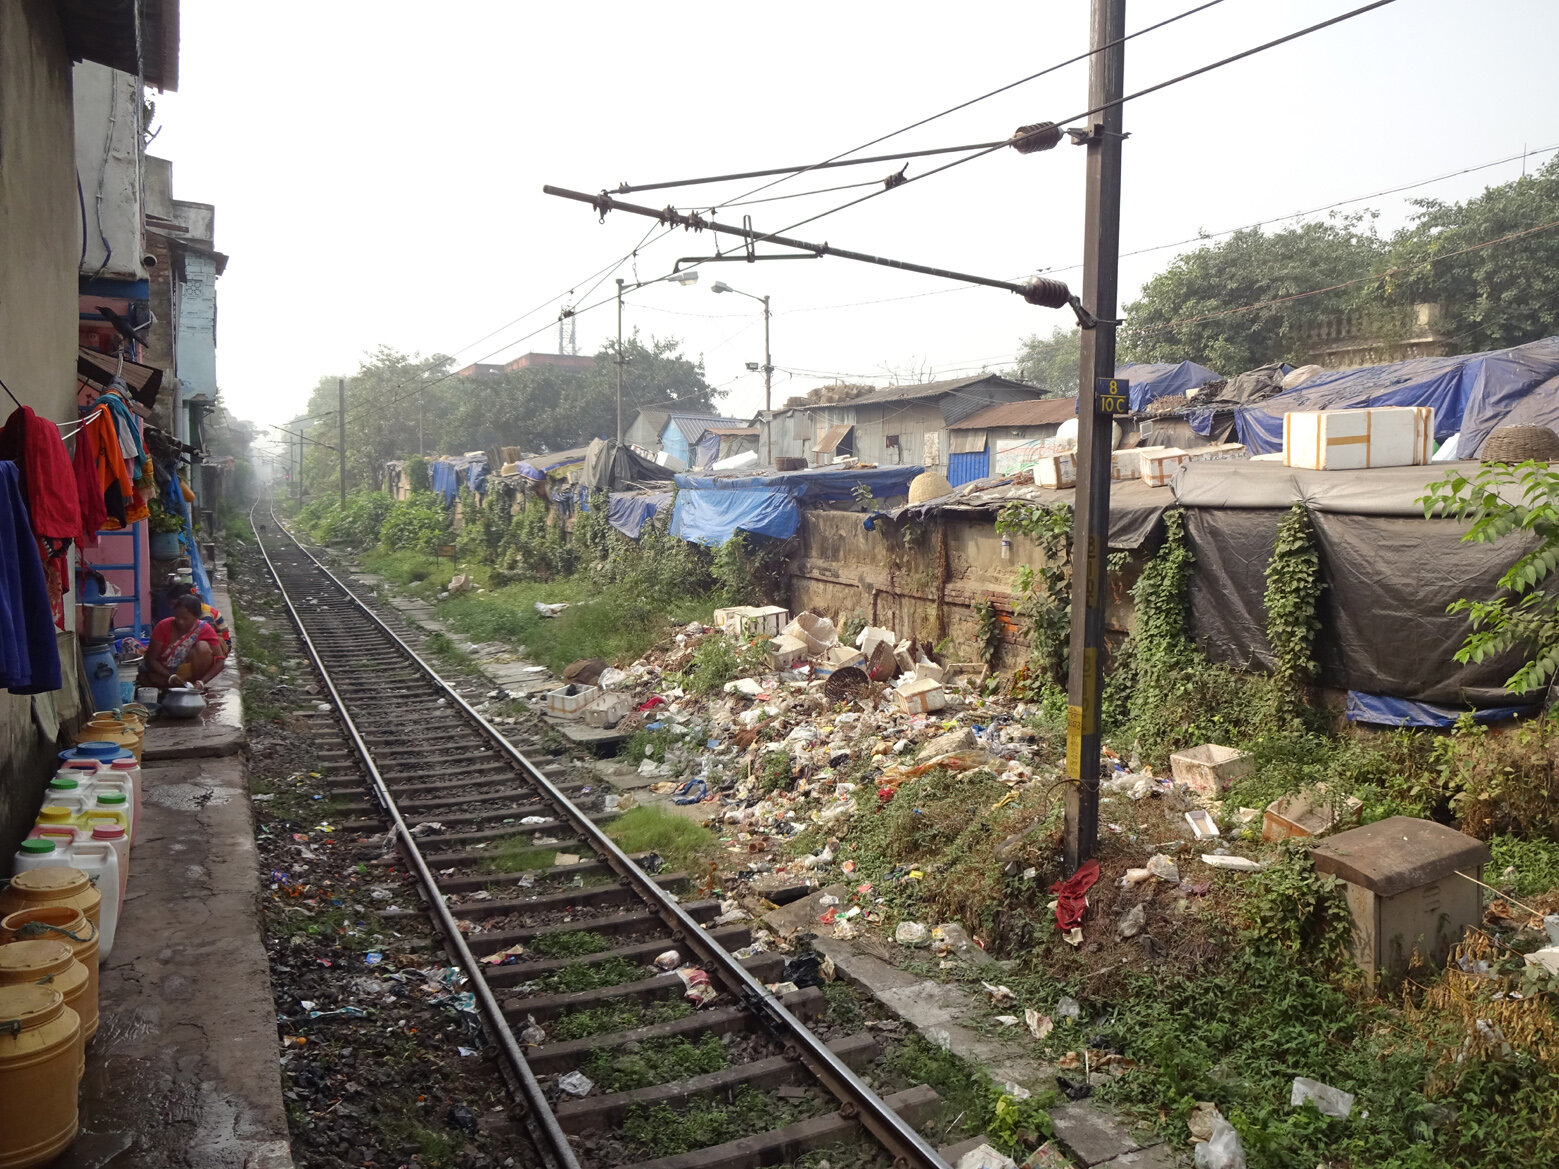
(1033, 139)
(1046, 293)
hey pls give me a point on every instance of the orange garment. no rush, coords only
(113, 478)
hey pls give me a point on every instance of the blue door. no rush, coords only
(966, 468)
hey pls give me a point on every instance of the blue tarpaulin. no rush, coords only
(538, 467)
(710, 510)
(630, 512)
(1150, 380)
(446, 482)
(1379, 710)
(1471, 393)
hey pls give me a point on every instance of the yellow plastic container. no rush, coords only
(63, 924)
(52, 888)
(129, 732)
(51, 963)
(40, 1061)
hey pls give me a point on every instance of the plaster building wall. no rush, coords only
(40, 242)
(108, 159)
(40, 233)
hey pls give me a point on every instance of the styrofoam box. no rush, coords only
(1158, 467)
(562, 704)
(1128, 464)
(760, 621)
(920, 697)
(1056, 471)
(785, 651)
(1352, 440)
(1274, 457)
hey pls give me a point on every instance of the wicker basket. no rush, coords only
(789, 463)
(1517, 444)
(929, 485)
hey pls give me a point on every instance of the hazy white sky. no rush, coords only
(377, 167)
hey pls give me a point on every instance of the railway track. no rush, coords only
(452, 790)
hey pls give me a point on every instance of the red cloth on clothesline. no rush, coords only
(48, 480)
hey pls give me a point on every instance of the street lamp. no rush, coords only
(768, 369)
(685, 277)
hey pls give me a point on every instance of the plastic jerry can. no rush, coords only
(115, 836)
(40, 852)
(99, 860)
(115, 799)
(129, 771)
(78, 794)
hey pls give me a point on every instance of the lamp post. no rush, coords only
(690, 276)
(768, 370)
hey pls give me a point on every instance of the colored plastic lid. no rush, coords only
(37, 846)
(53, 814)
(108, 832)
(99, 748)
(124, 765)
(64, 783)
(110, 797)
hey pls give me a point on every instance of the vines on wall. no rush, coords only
(1293, 591)
(1045, 593)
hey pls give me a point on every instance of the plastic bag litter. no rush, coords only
(1131, 925)
(1222, 1149)
(1164, 869)
(547, 610)
(1203, 1115)
(985, 1157)
(576, 1084)
(1329, 1101)
(1039, 1025)
(912, 933)
(1069, 1008)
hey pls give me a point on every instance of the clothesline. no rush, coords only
(8, 393)
(77, 426)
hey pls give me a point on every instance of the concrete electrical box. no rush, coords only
(1403, 890)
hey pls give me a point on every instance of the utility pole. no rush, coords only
(422, 409)
(1091, 515)
(297, 478)
(341, 434)
(619, 360)
(768, 391)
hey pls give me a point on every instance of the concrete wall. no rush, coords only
(925, 586)
(108, 160)
(40, 233)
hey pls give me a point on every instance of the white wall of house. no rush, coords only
(108, 163)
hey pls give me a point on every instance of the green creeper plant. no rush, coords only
(1045, 592)
(1499, 501)
(1293, 589)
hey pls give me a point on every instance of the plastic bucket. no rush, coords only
(40, 1068)
(58, 923)
(52, 888)
(51, 962)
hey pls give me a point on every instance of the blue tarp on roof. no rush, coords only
(1471, 393)
(538, 467)
(1150, 380)
(630, 512)
(711, 509)
(446, 482)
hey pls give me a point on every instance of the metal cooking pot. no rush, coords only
(95, 622)
(182, 703)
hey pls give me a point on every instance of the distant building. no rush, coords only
(1006, 438)
(572, 362)
(480, 369)
(898, 425)
(1353, 340)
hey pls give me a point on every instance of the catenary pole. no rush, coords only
(768, 391)
(619, 360)
(341, 434)
(1096, 402)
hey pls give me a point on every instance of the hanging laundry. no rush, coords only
(29, 654)
(34, 445)
(107, 468)
(89, 492)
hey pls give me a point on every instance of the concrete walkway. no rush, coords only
(183, 1072)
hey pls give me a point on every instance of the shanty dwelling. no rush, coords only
(1006, 438)
(895, 426)
(676, 432)
(723, 441)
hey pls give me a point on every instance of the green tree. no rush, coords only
(1494, 297)
(1250, 267)
(1051, 364)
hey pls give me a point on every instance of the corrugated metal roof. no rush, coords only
(829, 443)
(1031, 412)
(925, 390)
(693, 425)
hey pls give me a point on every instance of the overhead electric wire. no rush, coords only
(1176, 80)
(790, 172)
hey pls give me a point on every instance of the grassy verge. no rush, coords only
(683, 844)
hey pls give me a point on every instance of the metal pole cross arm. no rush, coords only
(1037, 290)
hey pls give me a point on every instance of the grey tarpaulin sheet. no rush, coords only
(1228, 587)
(611, 466)
(1389, 575)
(1135, 508)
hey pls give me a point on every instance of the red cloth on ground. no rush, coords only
(48, 481)
(1070, 893)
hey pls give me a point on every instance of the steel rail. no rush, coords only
(563, 1153)
(857, 1099)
